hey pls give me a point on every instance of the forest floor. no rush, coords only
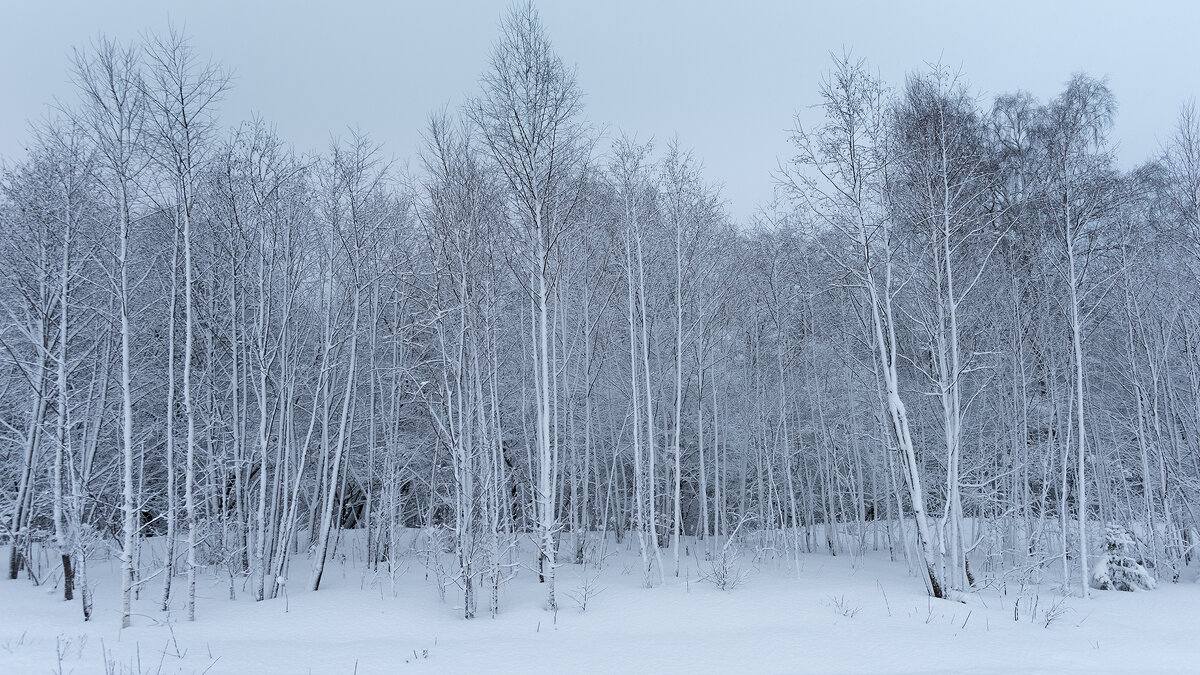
(836, 615)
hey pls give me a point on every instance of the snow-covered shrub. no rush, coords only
(1120, 568)
(724, 568)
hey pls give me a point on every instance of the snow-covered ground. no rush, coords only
(837, 615)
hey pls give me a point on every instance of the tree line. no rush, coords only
(959, 333)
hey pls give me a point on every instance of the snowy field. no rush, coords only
(837, 615)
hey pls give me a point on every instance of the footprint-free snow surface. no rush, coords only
(833, 615)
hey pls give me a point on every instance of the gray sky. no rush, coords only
(726, 76)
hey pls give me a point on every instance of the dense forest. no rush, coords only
(961, 333)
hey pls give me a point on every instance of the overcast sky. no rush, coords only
(726, 76)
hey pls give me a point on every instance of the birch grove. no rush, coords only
(960, 334)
